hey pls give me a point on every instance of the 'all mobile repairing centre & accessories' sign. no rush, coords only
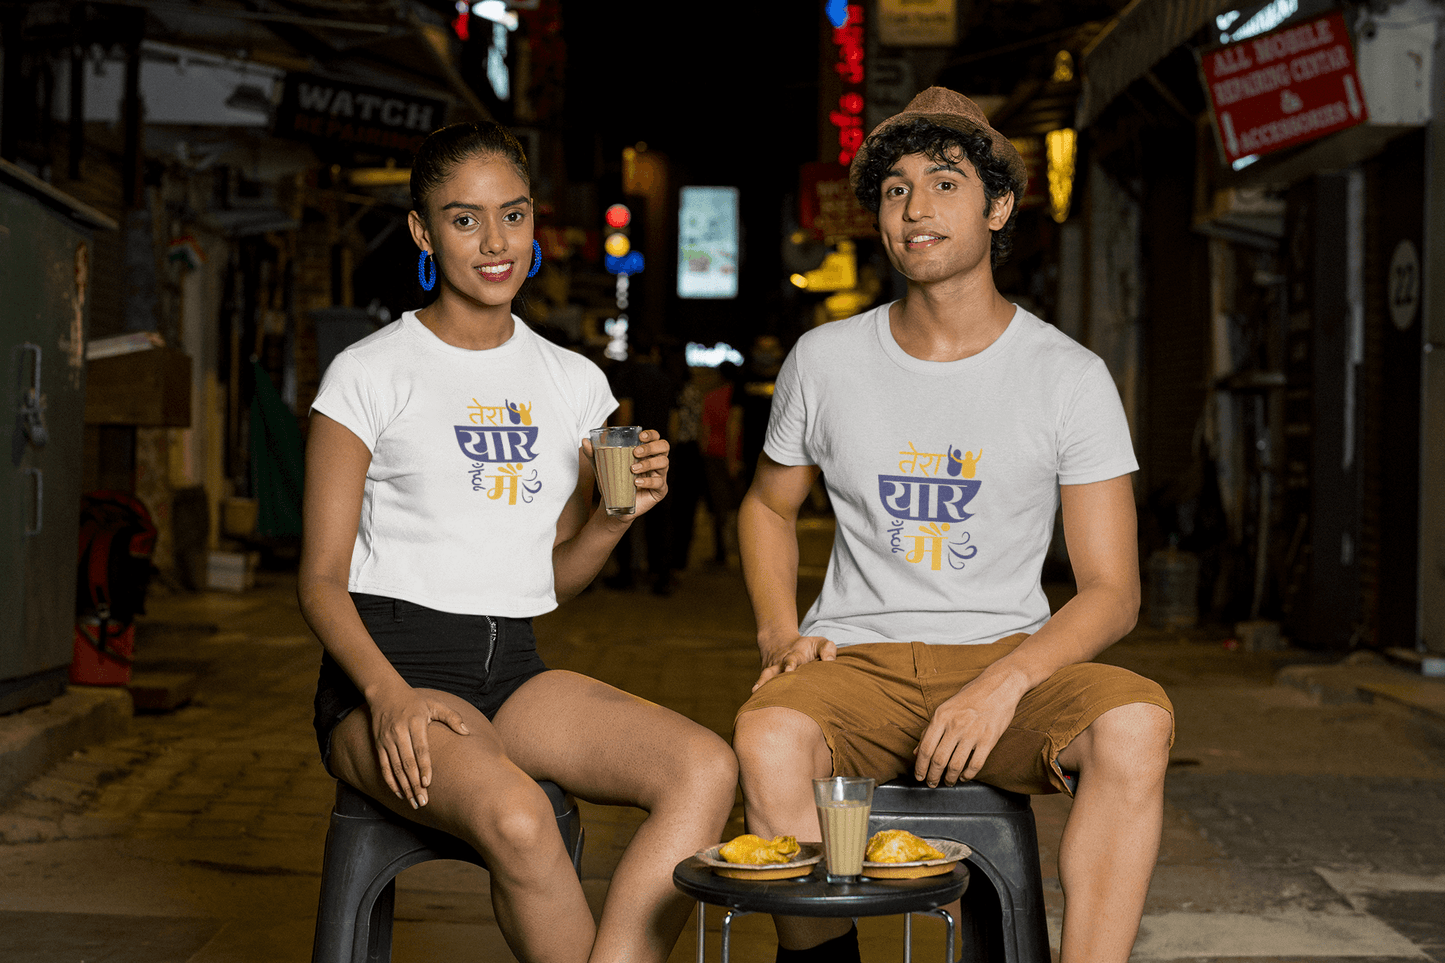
(354, 118)
(1283, 88)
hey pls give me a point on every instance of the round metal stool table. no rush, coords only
(814, 896)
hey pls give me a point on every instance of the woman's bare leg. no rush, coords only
(607, 746)
(478, 794)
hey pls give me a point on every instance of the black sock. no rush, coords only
(840, 949)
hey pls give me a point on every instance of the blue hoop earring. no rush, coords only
(421, 271)
(536, 259)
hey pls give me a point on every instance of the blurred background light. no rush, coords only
(497, 12)
(1063, 67)
(618, 216)
(617, 245)
(1267, 18)
(630, 263)
(838, 272)
(702, 356)
(1060, 147)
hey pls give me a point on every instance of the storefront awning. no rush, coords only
(1137, 39)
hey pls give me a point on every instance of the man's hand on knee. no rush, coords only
(963, 731)
(786, 655)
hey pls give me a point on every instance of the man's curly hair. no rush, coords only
(942, 144)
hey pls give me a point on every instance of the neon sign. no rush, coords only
(848, 118)
(701, 356)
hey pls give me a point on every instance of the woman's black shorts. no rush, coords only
(482, 658)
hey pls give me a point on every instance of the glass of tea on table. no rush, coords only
(844, 803)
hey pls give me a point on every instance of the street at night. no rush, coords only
(1045, 396)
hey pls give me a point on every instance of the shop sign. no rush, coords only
(847, 118)
(918, 23)
(1036, 191)
(561, 243)
(827, 204)
(1284, 88)
(890, 87)
(708, 242)
(355, 118)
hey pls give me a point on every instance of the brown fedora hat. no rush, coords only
(947, 109)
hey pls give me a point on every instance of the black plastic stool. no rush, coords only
(1004, 903)
(366, 846)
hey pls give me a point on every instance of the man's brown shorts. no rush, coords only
(874, 701)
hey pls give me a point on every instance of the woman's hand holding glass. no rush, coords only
(650, 469)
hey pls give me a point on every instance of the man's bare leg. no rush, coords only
(1111, 841)
(780, 752)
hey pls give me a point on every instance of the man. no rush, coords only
(948, 427)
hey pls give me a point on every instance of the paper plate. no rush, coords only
(952, 853)
(808, 856)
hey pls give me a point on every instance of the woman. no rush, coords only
(448, 501)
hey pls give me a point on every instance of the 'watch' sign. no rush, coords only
(355, 118)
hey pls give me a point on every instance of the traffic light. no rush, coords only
(620, 258)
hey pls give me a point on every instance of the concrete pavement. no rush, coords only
(1302, 824)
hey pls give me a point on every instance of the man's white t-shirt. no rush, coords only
(944, 476)
(473, 455)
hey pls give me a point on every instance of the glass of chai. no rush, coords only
(844, 803)
(612, 459)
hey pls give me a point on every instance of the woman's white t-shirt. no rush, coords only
(473, 456)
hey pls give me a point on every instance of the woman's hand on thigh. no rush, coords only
(399, 720)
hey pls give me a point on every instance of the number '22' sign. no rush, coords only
(1404, 289)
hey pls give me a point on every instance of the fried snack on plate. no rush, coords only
(899, 846)
(750, 850)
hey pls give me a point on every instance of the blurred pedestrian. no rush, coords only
(765, 357)
(687, 466)
(706, 462)
(722, 457)
(647, 388)
(448, 500)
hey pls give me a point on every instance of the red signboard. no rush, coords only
(1284, 88)
(827, 204)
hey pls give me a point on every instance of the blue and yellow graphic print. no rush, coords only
(499, 441)
(930, 494)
